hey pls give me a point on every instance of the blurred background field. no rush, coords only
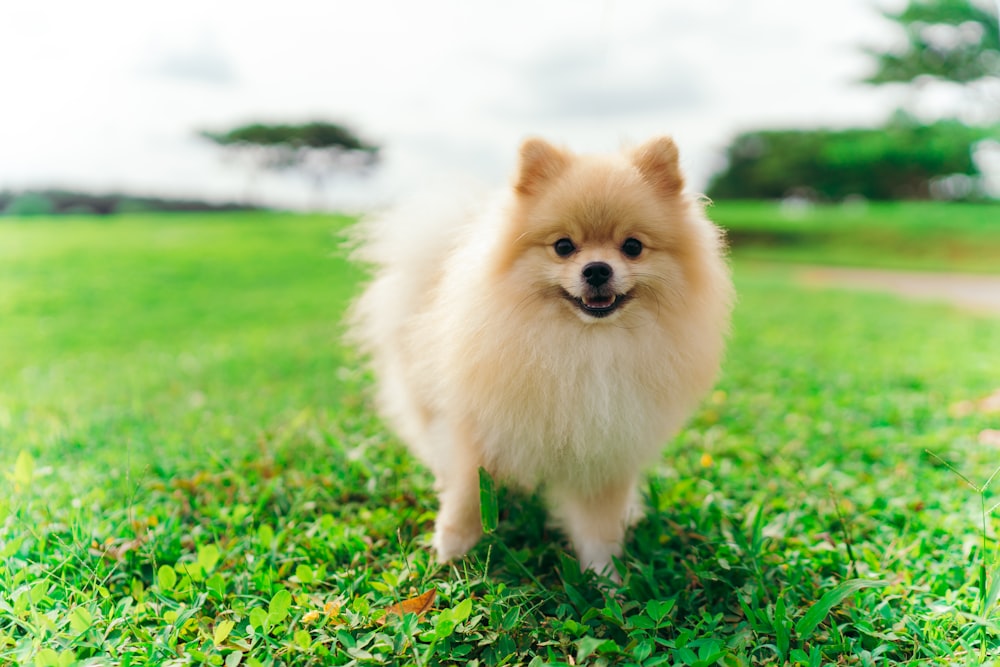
(931, 236)
(190, 467)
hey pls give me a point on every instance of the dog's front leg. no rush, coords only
(596, 521)
(458, 526)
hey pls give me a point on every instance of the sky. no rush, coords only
(106, 95)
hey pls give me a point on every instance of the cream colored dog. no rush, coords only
(558, 338)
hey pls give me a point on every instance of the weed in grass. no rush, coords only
(986, 595)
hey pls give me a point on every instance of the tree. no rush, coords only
(317, 150)
(902, 160)
(28, 204)
(955, 41)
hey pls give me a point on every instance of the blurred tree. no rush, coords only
(952, 41)
(955, 41)
(903, 160)
(29, 204)
(317, 150)
(68, 202)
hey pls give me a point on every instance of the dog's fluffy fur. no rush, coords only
(493, 346)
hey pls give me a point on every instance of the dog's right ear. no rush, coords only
(657, 160)
(540, 162)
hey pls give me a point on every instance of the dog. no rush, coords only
(558, 337)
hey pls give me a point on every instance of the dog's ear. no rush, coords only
(657, 161)
(540, 162)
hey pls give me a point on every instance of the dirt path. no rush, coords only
(980, 293)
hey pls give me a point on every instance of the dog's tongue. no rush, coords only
(598, 301)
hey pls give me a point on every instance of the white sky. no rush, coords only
(109, 95)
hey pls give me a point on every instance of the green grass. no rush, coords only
(897, 235)
(191, 474)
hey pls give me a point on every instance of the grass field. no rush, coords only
(896, 235)
(191, 474)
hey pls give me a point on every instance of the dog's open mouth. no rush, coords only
(598, 305)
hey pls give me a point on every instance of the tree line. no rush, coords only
(69, 202)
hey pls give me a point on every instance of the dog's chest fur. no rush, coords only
(583, 409)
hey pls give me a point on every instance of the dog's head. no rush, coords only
(602, 235)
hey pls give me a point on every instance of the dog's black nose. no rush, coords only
(597, 273)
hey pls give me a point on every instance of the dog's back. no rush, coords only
(407, 248)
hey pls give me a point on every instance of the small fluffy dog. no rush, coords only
(557, 338)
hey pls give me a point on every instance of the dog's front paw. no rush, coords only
(598, 557)
(451, 541)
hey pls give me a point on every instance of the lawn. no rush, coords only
(192, 474)
(934, 236)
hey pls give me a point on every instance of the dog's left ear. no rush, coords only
(540, 162)
(657, 160)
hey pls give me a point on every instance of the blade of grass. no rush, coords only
(489, 506)
(821, 609)
(952, 468)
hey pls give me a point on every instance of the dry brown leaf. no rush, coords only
(990, 436)
(418, 605)
(991, 403)
(332, 608)
(986, 405)
(116, 549)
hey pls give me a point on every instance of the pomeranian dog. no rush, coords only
(557, 338)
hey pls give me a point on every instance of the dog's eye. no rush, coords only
(564, 247)
(631, 247)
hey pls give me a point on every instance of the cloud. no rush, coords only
(584, 81)
(201, 61)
